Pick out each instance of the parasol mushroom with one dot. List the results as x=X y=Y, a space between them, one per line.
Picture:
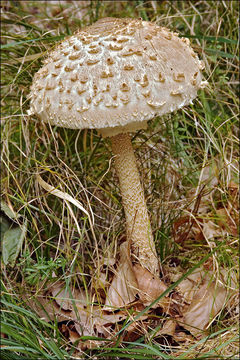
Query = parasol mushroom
x=114 y=76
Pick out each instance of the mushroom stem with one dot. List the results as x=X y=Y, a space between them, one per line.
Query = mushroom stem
x=139 y=231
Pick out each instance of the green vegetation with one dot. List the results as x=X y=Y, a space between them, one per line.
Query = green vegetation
x=189 y=163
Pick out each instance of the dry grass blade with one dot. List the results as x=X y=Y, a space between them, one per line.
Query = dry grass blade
x=64 y=196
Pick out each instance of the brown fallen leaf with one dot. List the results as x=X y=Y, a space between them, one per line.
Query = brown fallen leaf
x=94 y=319
x=203 y=295
x=210 y=230
x=123 y=288
x=64 y=298
x=150 y=288
x=136 y=329
x=46 y=307
x=69 y=331
x=168 y=328
x=105 y=325
x=87 y=318
x=73 y=336
x=208 y=300
x=188 y=286
x=182 y=337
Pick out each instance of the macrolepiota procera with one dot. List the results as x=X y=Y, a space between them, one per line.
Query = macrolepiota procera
x=114 y=76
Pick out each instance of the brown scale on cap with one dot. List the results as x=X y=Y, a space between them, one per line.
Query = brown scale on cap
x=80 y=89
x=92 y=61
x=194 y=78
x=124 y=98
x=161 y=78
x=76 y=47
x=179 y=77
x=144 y=81
x=128 y=67
x=58 y=65
x=115 y=47
x=155 y=104
x=95 y=90
x=128 y=52
x=114 y=76
x=178 y=91
x=152 y=56
x=106 y=73
x=124 y=87
x=74 y=56
x=146 y=93
x=83 y=78
x=68 y=68
x=95 y=50
x=122 y=40
x=43 y=72
x=148 y=37
x=98 y=99
x=74 y=77
x=50 y=84
x=137 y=77
x=110 y=61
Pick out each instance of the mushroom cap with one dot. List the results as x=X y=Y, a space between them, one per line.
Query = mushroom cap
x=115 y=75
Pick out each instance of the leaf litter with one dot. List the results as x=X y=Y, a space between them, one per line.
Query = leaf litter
x=201 y=299
x=183 y=314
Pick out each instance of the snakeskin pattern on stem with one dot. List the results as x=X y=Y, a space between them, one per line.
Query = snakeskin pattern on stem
x=138 y=225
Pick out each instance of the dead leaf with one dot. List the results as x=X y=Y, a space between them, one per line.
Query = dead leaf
x=70 y=332
x=203 y=296
x=135 y=329
x=188 y=286
x=46 y=308
x=123 y=288
x=210 y=230
x=150 y=288
x=89 y=320
x=80 y=308
x=64 y=298
x=73 y=336
x=208 y=300
x=168 y=328
x=93 y=320
x=182 y=337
